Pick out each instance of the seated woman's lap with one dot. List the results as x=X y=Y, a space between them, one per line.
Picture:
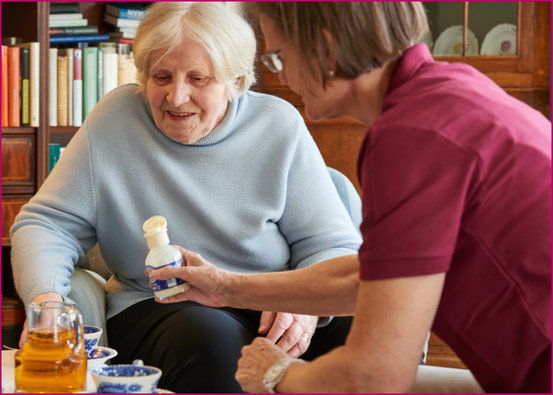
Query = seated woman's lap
x=198 y=347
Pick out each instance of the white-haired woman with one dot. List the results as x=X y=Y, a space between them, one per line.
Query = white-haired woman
x=235 y=173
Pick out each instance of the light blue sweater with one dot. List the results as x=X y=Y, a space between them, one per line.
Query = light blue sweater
x=252 y=196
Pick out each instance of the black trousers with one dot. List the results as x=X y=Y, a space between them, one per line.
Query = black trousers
x=198 y=347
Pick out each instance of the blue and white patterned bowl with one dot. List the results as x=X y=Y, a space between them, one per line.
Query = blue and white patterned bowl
x=92 y=335
x=100 y=356
x=126 y=378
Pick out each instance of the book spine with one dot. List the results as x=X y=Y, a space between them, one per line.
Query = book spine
x=24 y=65
x=69 y=52
x=78 y=38
x=4 y=85
x=64 y=8
x=77 y=87
x=13 y=87
x=34 y=79
x=90 y=79
x=110 y=71
x=127 y=70
x=127 y=13
x=73 y=31
x=54 y=155
x=121 y=22
x=65 y=16
x=68 y=23
x=62 y=89
x=53 y=91
x=100 y=73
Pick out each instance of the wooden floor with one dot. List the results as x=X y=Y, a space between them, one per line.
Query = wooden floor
x=439 y=354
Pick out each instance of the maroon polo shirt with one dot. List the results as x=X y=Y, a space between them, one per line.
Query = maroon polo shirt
x=456 y=177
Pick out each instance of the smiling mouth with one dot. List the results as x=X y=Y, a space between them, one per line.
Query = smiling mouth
x=180 y=114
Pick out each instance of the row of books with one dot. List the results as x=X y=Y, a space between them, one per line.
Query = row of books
x=79 y=77
x=20 y=84
x=72 y=27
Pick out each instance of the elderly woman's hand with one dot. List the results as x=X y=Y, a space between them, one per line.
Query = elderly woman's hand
x=256 y=359
x=205 y=280
x=294 y=330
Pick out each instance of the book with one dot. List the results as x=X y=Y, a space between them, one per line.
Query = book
x=125 y=10
x=90 y=79
x=73 y=30
x=34 y=81
x=69 y=52
x=24 y=78
x=4 y=85
x=65 y=16
x=127 y=70
x=100 y=72
x=122 y=40
x=123 y=34
x=14 y=86
x=77 y=87
x=53 y=89
x=64 y=7
x=110 y=71
x=121 y=22
x=79 y=38
x=54 y=155
x=68 y=22
x=62 y=89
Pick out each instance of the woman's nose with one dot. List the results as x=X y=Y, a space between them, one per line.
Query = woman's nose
x=179 y=93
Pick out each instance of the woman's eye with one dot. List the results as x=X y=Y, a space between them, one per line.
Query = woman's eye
x=162 y=78
x=199 y=80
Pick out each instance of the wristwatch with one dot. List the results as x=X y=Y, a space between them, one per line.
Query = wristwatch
x=276 y=372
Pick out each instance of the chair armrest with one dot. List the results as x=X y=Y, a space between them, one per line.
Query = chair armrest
x=87 y=291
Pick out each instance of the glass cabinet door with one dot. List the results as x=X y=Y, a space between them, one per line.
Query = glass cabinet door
x=472 y=28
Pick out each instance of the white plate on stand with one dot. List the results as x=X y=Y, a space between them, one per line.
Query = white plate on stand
x=450 y=42
x=500 y=40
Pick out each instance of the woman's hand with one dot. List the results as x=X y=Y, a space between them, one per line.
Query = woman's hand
x=256 y=359
x=46 y=296
x=205 y=280
x=291 y=332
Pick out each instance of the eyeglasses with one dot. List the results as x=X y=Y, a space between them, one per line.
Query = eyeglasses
x=272 y=61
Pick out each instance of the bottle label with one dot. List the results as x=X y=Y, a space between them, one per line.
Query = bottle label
x=160 y=285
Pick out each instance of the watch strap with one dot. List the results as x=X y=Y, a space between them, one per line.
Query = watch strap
x=276 y=372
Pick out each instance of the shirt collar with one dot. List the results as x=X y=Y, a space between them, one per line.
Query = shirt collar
x=409 y=64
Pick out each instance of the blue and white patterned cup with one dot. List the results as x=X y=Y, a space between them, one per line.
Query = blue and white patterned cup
x=135 y=378
x=92 y=335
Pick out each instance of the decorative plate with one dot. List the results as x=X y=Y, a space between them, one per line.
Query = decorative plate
x=450 y=42
x=500 y=40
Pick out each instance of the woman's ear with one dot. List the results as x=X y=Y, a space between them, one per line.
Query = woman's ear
x=331 y=52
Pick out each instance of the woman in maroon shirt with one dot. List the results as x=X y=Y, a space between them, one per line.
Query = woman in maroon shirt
x=456 y=184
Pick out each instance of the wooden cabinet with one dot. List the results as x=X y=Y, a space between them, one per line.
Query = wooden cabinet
x=525 y=75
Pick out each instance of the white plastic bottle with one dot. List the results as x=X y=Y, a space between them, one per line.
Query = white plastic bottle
x=162 y=254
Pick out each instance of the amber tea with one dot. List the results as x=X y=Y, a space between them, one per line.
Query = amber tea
x=53 y=358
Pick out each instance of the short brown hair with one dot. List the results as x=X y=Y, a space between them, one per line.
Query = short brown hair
x=366 y=35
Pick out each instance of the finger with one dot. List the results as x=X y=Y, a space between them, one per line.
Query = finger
x=190 y=258
x=291 y=337
x=280 y=325
x=167 y=272
x=267 y=319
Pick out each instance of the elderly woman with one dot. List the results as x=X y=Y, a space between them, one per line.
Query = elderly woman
x=456 y=185
x=235 y=173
